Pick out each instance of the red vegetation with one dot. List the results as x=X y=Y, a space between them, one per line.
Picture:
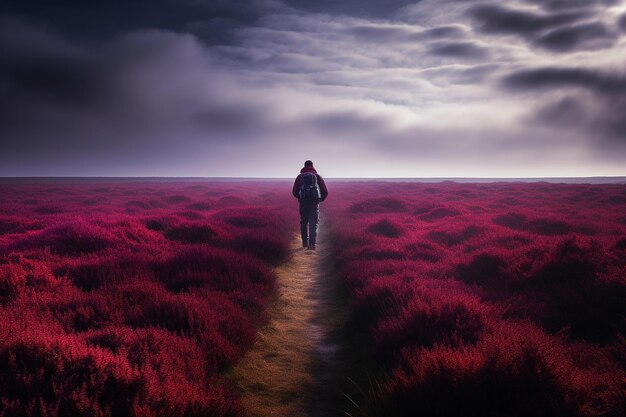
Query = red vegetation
x=133 y=299
x=484 y=299
x=465 y=299
x=387 y=228
x=378 y=205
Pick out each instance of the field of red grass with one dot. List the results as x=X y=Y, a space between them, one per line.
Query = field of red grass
x=133 y=298
x=503 y=299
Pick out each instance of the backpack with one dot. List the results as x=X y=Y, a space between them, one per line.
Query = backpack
x=309 y=190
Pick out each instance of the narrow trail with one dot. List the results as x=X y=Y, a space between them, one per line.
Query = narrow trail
x=291 y=369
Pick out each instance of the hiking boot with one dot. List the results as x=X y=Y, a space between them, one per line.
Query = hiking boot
x=311 y=247
x=305 y=244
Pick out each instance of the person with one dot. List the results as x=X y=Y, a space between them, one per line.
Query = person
x=310 y=189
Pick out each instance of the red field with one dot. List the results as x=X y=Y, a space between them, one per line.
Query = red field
x=132 y=299
x=470 y=299
x=485 y=300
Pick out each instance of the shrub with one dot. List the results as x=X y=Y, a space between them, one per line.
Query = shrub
x=200 y=206
x=25 y=276
x=207 y=267
x=422 y=251
x=189 y=232
x=485 y=269
x=439 y=213
x=13 y=281
x=572 y=263
x=94 y=273
x=68 y=239
x=161 y=223
x=513 y=373
x=267 y=246
x=512 y=220
x=138 y=205
x=379 y=205
x=453 y=237
x=10 y=225
x=176 y=199
x=48 y=209
x=231 y=201
x=548 y=227
x=59 y=375
x=253 y=218
x=387 y=228
x=427 y=320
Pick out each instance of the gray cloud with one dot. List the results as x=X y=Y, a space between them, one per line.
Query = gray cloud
x=594 y=34
x=98 y=19
x=476 y=74
x=498 y=19
x=389 y=33
x=549 y=78
x=189 y=90
x=137 y=90
x=600 y=113
x=579 y=112
x=35 y=65
x=567 y=112
x=573 y=4
x=445 y=31
x=347 y=122
x=622 y=22
x=562 y=27
x=383 y=34
x=463 y=50
x=367 y=8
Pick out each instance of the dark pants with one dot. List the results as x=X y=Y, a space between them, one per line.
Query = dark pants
x=309 y=216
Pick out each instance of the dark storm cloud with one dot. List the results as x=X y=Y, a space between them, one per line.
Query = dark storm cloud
x=563 y=27
x=40 y=66
x=216 y=31
x=573 y=4
x=37 y=70
x=56 y=93
x=549 y=78
x=103 y=19
x=463 y=50
x=500 y=19
x=595 y=102
x=571 y=37
x=366 y=8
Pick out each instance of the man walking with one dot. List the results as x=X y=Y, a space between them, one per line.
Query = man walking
x=310 y=189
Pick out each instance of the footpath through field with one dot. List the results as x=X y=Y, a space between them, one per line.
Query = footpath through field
x=290 y=371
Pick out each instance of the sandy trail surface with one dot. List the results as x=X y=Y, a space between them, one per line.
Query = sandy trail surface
x=290 y=371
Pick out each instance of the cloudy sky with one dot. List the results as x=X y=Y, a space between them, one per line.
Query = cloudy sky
x=365 y=88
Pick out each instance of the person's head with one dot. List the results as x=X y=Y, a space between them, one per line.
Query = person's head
x=308 y=163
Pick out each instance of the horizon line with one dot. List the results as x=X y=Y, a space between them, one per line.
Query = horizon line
x=585 y=179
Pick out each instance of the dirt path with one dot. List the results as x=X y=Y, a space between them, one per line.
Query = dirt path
x=290 y=369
